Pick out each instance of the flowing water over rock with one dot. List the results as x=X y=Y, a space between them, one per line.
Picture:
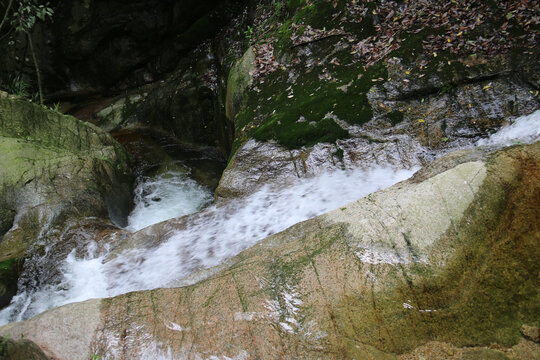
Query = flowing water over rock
x=165 y=196
x=215 y=234
x=223 y=231
x=172 y=181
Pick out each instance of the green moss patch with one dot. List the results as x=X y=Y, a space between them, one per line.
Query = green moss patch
x=293 y=134
x=303 y=114
x=318 y=14
x=9 y=274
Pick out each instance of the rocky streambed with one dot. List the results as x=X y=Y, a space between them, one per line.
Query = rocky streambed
x=305 y=179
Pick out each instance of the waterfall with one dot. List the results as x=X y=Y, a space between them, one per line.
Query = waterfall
x=165 y=196
x=216 y=233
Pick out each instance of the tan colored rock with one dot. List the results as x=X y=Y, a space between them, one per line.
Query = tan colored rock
x=531 y=333
x=64 y=333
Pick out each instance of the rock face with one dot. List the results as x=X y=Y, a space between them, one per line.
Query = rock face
x=187 y=104
x=20 y=350
x=435 y=265
x=443 y=265
x=336 y=85
x=53 y=169
x=98 y=45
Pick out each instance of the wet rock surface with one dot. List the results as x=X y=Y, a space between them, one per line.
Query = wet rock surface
x=375 y=90
x=440 y=266
x=427 y=275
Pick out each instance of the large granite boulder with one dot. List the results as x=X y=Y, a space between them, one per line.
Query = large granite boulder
x=53 y=169
x=443 y=264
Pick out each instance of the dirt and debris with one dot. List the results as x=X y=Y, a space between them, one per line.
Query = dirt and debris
x=306 y=34
x=451 y=28
x=265 y=61
x=459 y=27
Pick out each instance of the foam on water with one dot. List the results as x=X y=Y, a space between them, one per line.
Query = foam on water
x=210 y=237
x=166 y=196
x=524 y=130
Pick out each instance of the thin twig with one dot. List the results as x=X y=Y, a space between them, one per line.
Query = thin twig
x=317 y=39
x=37 y=68
x=6 y=14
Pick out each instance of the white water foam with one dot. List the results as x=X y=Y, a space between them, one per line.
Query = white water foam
x=221 y=232
x=524 y=130
x=166 y=196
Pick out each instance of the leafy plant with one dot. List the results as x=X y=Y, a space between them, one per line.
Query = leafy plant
x=19 y=87
x=248 y=33
x=95 y=357
x=55 y=107
x=23 y=19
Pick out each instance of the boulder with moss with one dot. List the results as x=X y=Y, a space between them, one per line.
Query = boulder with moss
x=53 y=169
x=20 y=350
x=345 y=84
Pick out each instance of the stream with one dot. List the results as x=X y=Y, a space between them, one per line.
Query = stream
x=213 y=233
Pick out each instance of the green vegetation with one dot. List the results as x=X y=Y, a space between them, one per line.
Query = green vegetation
x=295 y=4
x=284 y=34
x=7 y=265
x=294 y=134
x=395 y=117
x=23 y=19
x=17 y=86
x=318 y=14
x=248 y=33
x=305 y=114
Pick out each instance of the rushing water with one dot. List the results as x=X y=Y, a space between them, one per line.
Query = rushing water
x=524 y=130
x=165 y=196
x=216 y=233
x=221 y=232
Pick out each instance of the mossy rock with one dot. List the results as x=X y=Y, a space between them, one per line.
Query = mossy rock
x=9 y=274
x=452 y=266
x=53 y=168
x=238 y=81
x=20 y=350
x=305 y=114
